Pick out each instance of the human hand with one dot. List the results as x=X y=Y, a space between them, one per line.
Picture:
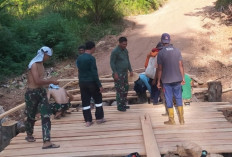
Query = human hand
x=101 y=89
x=158 y=85
x=115 y=76
x=131 y=73
x=183 y=82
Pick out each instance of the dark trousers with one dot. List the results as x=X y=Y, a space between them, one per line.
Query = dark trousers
x=155 y=92
x=88 y=90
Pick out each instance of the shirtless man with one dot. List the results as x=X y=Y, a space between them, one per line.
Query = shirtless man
x=62 y=100
x=36 y=98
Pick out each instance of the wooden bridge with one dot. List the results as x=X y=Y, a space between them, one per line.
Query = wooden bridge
x=140 y=129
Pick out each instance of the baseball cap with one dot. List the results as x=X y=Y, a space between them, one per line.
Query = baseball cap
x=165 y=38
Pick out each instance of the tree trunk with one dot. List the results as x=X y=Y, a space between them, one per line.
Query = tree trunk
x=214 y=91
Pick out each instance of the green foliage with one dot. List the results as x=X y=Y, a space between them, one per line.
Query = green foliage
x=223 y=3
x=26 y=25
x=134 y=7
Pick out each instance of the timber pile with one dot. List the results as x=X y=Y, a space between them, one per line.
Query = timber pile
x=140 y=129
x=109 y=91
x=107 y=81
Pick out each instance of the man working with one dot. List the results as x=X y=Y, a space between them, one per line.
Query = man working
x=90 y=85
x=120 y=64
x=155 y=92
x=62 y=100
x=36 y=97
x=171 y=73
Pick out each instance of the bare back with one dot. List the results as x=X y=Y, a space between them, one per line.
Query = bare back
x=59 y=95
x=36 y=68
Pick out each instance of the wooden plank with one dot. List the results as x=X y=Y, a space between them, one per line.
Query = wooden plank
x=151 y=145
x=196 y=79
x=210 y=130
x=104 y=99
x=68 y=147
x=76 y=79
x=12 y=110
x=226 y=90
x=91 y=153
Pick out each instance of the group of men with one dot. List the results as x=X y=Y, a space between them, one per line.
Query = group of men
x=170 y=76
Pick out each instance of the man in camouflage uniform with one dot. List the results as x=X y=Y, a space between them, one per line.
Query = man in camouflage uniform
x=120 y=64
x=36 y=98
x=62 y=100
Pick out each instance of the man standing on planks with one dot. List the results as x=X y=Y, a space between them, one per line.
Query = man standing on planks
x=36 y=98
x=90 y=85
x=171 y=73
x=120 y=64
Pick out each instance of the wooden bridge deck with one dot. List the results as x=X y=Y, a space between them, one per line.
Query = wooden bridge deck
x=122 y=133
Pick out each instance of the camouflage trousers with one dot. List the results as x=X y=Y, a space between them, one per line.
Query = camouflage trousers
x=55 y=107
x=121 y=86
x=36 y=100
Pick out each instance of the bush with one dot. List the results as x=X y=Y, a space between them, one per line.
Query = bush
x=25 y=26
x=223 y=3
x=134 y=7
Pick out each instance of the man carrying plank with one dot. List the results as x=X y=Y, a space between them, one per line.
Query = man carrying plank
x=36 y=98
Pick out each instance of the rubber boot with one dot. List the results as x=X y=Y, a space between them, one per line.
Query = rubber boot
x=171 y=120
x=181 y=114
x=166 y=110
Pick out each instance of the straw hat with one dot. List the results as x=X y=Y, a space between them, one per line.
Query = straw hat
x=133 y=78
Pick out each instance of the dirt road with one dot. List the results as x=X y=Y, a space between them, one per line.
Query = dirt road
x=192 y=30
x=201 y=33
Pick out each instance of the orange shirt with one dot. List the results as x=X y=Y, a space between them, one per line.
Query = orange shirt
x=151 y=54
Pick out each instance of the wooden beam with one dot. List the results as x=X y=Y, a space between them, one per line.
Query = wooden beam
x=104 y=99
x=226 y=90
x=200 y=90
x=75 y=79
x=105 y=86
x=196 y=79
x=12 y=110
x=151 y=145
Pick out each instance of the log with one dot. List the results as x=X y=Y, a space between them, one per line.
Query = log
x=75 y=79
x=196 y=79
x=8 y=131
x=199 y=90
x=104 y=99
x=226 y=90
x=12 y=110
x=104 y=85
x=136 y=70
x=104 y=95
x=214 y=91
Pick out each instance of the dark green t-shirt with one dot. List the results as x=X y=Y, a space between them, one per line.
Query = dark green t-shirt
x=87 y=69
x=119 y=61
